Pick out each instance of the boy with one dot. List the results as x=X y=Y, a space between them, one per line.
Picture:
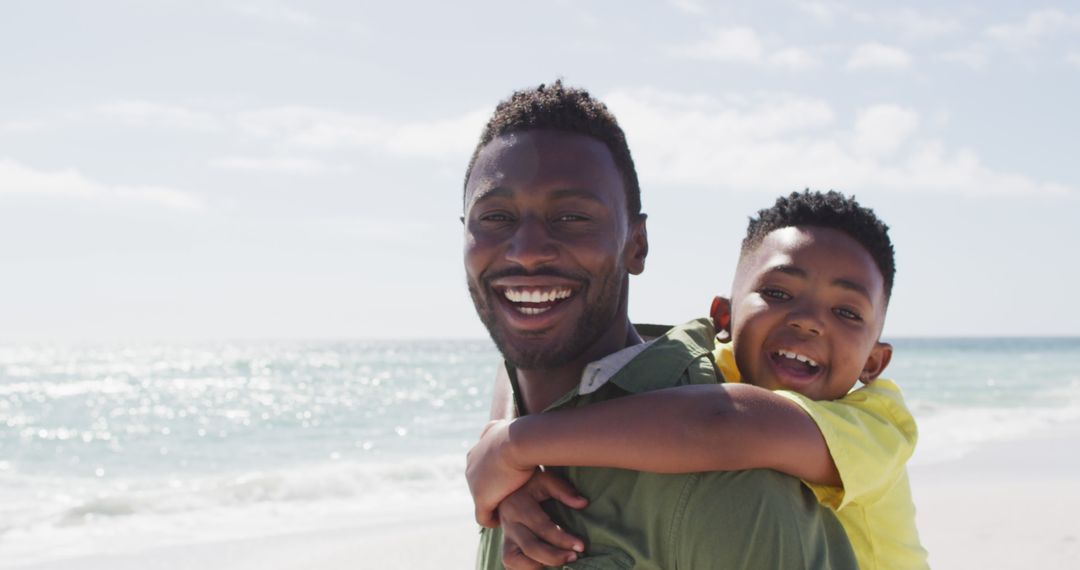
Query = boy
x=807 y=309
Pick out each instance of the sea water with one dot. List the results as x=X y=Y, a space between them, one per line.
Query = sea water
x=119 y=446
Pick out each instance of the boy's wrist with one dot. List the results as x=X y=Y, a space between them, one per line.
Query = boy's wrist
x=515 y=445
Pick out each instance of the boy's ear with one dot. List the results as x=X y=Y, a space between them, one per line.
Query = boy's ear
x=720 y=312
x=879 y=358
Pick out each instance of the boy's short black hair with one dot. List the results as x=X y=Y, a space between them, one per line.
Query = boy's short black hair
x=828 y=210
x=568 y=109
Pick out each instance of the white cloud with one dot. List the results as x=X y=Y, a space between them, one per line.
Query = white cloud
x=1035 y=27
x=743 y=45
x=821 y=11
x=16 y=178
x=321 y=129
x=447 y=138
x=139 y=113
x=689 y=6
x=974 y=57
x=794 y=59
x=912 y=23
x=280 y=165
x=777 y=144
x=739 y=45
x=277 y=12
x=313 y=127
x=1073 y=59
x=880 y=130
x=878 y=56
x=22 y=126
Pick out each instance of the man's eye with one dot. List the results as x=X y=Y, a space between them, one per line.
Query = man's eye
x=847 y=314
x=571 y=218
x=496 y=217
x=775 y=294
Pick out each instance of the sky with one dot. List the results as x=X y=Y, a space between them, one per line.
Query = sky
x=187 y=170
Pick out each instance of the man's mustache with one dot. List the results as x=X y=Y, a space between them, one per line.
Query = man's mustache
x=541 y=272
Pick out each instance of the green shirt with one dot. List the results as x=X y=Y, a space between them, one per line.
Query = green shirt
x=755 y=519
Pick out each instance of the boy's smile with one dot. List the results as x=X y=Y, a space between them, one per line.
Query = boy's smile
x=808 y=305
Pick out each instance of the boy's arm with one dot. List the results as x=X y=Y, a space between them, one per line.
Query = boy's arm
x=708 y=427
x=711 y=427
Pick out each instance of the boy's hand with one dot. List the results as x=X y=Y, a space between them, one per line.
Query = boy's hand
x=491 y=474
x=530 y=538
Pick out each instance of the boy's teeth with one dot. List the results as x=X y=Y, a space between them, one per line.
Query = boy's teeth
x=536 y=295
x=799 y=357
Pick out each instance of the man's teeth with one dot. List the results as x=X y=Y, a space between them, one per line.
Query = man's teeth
x=536 y=296
x=799 y=357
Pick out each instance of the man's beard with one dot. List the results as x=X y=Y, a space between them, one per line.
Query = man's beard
x=593 y=322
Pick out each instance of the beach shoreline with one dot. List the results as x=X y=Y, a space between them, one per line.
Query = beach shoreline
x=1007 y=504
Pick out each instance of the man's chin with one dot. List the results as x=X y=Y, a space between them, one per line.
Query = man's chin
x=535 y=350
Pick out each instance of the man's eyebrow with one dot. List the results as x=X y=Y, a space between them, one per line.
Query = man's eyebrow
x=493 y=192
x=576 y=193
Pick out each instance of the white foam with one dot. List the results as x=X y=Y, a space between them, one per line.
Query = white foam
x=74 y=517
x=950 y=434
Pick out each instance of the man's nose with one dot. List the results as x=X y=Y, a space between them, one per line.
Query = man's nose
x=531 y=245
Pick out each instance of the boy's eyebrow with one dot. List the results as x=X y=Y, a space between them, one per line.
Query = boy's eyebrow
x=792 y=270
x=853 y=286
x=796 y=271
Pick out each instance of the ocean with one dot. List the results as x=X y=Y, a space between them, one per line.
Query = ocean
x=163 y=444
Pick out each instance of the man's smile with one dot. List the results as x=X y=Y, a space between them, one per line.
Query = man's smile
x=533 y=303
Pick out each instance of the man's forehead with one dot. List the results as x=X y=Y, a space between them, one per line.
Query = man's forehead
x=550 y=159
x=528 y=148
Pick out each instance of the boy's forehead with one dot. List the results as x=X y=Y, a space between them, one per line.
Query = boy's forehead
x=823 y=249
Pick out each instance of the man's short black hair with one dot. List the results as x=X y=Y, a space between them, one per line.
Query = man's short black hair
x=560 y=108
x=831 y=210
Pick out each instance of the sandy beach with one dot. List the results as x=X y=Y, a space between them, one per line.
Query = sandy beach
x=1006 y=505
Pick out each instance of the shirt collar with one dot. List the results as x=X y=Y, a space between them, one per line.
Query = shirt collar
x=636 y=369
x=724 y=356
x=598 y=373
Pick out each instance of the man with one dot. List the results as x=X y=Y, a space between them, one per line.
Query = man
x=553 y=230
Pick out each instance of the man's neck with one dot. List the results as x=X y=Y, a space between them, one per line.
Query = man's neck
x=542 y=387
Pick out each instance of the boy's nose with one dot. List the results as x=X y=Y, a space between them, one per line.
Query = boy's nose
x=531 y=245
x=806 y=320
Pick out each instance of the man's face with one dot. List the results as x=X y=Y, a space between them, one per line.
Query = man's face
x=807 y=310
x=548 y=245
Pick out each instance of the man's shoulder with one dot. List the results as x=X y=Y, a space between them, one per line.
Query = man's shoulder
x=678 y=355
x=695 y=518
x=775 y=516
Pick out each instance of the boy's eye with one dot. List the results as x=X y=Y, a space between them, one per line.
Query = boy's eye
x=847 y=314
x=775 y=294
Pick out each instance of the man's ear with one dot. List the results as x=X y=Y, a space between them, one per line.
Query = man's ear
x=879 y=358
x=638 y=247
x=720 y=312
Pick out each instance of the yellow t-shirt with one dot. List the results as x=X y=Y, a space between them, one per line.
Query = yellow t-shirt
x=870 y=434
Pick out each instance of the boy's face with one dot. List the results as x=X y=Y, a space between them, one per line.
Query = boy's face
x=808 y=304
